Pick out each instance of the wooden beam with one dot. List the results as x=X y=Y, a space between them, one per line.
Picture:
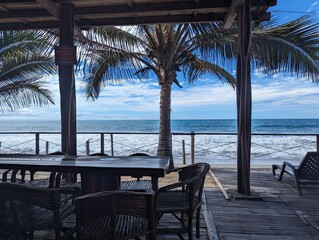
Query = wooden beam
x=55 y=11
x=125 y=21
x=50 y=7
x=16 y=1
x=232 y=12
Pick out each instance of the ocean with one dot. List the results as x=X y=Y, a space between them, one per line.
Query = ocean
x=215 y=140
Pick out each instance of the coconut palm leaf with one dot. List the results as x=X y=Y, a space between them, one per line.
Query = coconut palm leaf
x=292 y=47
x=196 y=68
x=22 y=93
x=25 y=56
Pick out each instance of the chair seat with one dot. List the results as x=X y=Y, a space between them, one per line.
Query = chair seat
x=136 y=185
x=41 y=218
x=126 y=227
x=175 y=201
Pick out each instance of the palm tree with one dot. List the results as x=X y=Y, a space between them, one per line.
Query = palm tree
x=24 y=59
x=195 y=49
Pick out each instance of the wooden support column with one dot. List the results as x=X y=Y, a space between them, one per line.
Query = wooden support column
x=66 y=62
x=244 y=100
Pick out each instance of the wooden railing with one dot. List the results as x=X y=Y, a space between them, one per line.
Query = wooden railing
x=105 y=140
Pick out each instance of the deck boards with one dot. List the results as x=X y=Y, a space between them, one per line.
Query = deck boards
x=273 y=216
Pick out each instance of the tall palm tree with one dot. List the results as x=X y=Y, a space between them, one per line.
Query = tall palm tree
x=24 y=59
x=195 y=49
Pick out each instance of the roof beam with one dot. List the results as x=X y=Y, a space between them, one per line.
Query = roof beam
x=232 y=12
x=50 y=7
x=56 y=12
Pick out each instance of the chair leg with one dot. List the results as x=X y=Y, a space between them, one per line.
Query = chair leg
x=298 y=186
x=152 y=236
x=190 y=226
x=57 y=233
x=198 y=222
x=282 y=171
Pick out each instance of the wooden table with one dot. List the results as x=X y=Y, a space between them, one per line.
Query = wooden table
x=97 y=173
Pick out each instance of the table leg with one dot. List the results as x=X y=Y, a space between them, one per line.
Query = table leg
x=93 y=182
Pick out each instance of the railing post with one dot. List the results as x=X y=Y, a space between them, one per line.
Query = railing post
x=317 y=143
x=112 y=146
x=47 y=147
x=183 y=149
x=102 y=142
x=192 y=147
x=87 y=147
x=37 y=143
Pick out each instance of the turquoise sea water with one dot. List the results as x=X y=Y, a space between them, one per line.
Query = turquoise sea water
x=258 y=126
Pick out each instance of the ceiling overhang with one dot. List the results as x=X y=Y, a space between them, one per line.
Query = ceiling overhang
x=44 y=14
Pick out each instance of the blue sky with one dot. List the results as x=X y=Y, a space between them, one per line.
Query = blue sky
x=275 y=96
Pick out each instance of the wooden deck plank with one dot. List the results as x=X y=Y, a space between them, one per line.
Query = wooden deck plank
x=274 y=216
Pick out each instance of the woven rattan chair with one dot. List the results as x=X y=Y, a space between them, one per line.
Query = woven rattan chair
x=139 y=184
x=27 y=177
x=27 y=209
x=183 y=199
x=306 y=173
x=115 y=215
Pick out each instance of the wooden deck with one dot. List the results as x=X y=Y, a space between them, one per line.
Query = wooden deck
x=276 y=212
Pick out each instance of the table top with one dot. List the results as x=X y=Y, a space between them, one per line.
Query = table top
x=121 y=165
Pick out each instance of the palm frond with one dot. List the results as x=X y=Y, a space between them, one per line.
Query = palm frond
x=24 y=58
x=20 y=65
x=197 y=68
x=23 y=93
x=292 y=47
x=103 y=69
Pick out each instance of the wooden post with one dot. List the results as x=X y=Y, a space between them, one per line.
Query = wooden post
x=102 y=142
x=65 y=59
x=183 y=149
x=244 y=99
x=47 y=147
x=317 y=143
x=192 y=147
x=112 y=147
x=87 y=147
x=37 y=143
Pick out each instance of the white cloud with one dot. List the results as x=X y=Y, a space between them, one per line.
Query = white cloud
x=314 y=7
x=207 y=99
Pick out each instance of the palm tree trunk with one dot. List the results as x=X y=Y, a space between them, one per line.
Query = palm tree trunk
x=165 y=138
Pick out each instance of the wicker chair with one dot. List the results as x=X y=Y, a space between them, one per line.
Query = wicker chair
x=183 y=199
x=306 y=173
x=27 y=177
x=27 y=209
x=140 y=184
x=115 y=215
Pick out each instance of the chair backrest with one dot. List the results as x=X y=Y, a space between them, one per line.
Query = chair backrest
x=98 y=214
x=309 y=167
x=27 y=204
x=195 y=176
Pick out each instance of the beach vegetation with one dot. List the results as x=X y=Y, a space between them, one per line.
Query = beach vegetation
x=25 y=58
